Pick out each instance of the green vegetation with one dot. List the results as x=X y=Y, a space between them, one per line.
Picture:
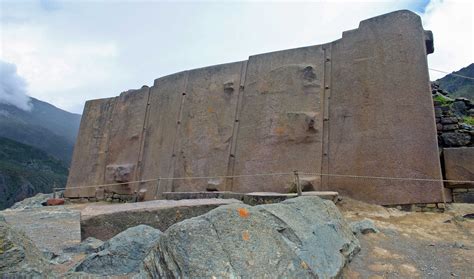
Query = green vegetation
x=26 y=170
x=443 y=100
x=468 y=120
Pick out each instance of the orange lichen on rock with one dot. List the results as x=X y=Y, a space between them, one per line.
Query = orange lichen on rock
x=244 y=213
x=280 y=130
x=246 y=236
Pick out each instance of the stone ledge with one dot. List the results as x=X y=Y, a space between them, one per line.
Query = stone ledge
x=249 y=198
x=103 y=221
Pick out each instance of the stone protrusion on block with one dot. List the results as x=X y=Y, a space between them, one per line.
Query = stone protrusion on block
x=119 y=173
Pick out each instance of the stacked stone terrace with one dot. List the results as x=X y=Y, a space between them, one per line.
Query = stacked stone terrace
x=456 y=142
x=334 y=108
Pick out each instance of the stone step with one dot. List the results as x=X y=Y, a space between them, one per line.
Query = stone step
x=249 y=198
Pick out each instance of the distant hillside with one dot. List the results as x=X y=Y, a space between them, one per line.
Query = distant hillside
x=25 y=171
x=459 y=86
x=45 y=127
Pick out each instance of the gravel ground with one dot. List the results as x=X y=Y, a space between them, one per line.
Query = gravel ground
x=413 y=244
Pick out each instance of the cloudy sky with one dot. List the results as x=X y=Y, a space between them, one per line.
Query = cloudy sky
x=66 y=52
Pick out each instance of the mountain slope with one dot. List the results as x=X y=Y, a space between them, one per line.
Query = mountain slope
x=458 y=86
x=25 y=171
x=45 y=127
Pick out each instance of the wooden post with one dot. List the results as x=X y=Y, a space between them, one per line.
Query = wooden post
x=298 y=184
x=158 y=182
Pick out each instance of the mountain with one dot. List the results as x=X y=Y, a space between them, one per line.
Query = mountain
x=26 y=170
x=45 y=127
x=459 y=86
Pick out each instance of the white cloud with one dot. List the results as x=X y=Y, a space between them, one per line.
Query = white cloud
x=55 y=66
x=13 y=87
x=452 y=23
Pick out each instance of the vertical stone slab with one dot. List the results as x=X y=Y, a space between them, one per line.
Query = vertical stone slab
x=459 y=165
x=381 y=119
x=281 y=118
x=206 y=125
x=165 y=102
x=126 y=135
x=88 y=162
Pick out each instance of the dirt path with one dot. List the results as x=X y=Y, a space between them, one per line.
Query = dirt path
x=413 y=244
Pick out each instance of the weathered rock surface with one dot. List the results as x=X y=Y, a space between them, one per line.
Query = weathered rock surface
x=89 y=245
x=365 y=226
x=50 y=228
x=19 y=257
x=305 y=237
x=123 y=253
x=455 y=139
x=36 y=201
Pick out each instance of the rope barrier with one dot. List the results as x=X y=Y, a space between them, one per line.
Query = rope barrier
x=444 y=72
x=392 y=178
x=276 y=174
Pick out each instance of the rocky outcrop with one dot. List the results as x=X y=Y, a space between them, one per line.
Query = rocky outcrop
x=89 y=245
x=37 y=201
x=123 y=253
x=19 y=257
x=305 y=237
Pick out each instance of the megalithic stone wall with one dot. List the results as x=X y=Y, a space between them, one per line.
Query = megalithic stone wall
x=360 y=105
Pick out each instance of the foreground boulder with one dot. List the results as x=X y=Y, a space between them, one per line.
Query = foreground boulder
x=123 y=253
x=19 y=257
x=304 y=237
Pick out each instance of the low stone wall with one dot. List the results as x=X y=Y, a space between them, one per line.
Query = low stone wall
x=463 y=195
x=421 y=207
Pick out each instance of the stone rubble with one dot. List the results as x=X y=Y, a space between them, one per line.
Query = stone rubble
x=365 y=226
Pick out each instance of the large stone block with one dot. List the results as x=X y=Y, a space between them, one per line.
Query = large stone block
x=126 y=132
x=376 y=129
x=90 y=152
x=459 y=165
x=206 y=126
x=104 y=221
x=281 y=119
x=166 y=97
